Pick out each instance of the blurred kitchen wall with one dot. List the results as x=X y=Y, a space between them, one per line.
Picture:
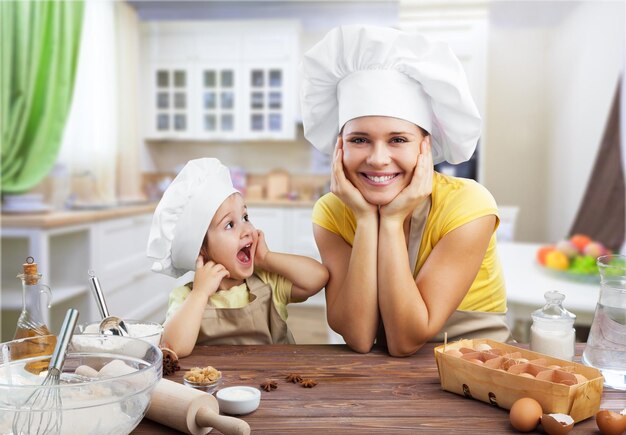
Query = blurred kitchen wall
x=315 y=19
x=552 y=72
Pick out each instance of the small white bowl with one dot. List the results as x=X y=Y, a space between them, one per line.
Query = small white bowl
x=238 y=400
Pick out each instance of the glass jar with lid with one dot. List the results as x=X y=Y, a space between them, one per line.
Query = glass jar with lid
x=552 y=332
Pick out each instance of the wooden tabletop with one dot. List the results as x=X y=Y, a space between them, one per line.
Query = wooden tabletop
x=356 y=393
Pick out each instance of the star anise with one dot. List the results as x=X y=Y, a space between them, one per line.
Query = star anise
x=170 y=361
x=269 y=385
x=293 y=377
x=308 y=383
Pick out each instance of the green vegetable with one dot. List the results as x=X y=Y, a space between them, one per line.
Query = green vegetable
x=583 y=265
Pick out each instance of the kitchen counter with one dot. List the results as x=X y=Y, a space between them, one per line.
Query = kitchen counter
x=356 y=393
x=76 y=217
x=306 y=203
x=72 y=217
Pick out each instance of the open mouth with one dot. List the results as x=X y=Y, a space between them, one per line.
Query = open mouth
x=244 y=254
x=379 y=180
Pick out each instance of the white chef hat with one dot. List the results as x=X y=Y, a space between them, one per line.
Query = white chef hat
x=361 y=70
x=184 y=214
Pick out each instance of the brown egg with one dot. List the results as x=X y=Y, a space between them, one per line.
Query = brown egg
x=525 y=414
x=610 y=423
x=476 y=361
x=557 y=424
x=526 y=375
x=454 y=352
x=580 y=378
x=554 y=367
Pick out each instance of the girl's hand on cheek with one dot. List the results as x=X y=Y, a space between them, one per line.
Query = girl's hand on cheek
x=208 y=276
x=419 y=188
x=261 y=248
x=344 y=189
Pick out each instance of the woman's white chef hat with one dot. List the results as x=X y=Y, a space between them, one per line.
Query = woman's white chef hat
x=184 y=214
x=364 y=70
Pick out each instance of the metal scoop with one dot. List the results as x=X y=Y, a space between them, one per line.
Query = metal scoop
x=110 y=325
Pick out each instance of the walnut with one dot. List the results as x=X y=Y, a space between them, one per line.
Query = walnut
x=204 y=375
x=293 y=377
x=308 y=383
x=170 y=362
x=269 y=385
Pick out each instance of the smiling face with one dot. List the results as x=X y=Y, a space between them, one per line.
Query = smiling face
x=379 y=155
x=230 y=238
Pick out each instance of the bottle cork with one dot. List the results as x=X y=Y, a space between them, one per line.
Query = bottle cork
x=30 y=271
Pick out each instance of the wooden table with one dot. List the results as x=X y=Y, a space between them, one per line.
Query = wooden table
x=371 y=393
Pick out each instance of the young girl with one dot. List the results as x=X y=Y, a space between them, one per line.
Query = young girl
x=241 y=289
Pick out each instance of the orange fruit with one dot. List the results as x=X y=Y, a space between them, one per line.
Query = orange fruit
x=557 y=260
x=542 y=252
x=580 y=241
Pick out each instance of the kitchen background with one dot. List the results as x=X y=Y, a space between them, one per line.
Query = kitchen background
x=161 y=82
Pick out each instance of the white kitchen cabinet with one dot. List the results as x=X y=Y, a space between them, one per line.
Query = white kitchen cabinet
x=114 y=249
x=268 y=101
x=287 y=229
x=239 y=80
x=218 y=101
x=301 y=230
x=271 y=220
x=63 y=258
x=169 y=100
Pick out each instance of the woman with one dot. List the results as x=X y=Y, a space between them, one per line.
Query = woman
x=411 y=252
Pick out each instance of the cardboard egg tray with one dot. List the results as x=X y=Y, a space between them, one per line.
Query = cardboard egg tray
x=497 y=380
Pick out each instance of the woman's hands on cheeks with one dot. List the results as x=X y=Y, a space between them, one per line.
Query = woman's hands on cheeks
x=208 y=276
x=420 y=187
x=261 y=249
x=344 y=189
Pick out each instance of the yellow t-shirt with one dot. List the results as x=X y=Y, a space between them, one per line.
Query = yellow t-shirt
x=237 y=296
x=455 y=202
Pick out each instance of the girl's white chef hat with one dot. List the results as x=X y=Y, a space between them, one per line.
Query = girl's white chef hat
x=184 y=214
x=365 y=70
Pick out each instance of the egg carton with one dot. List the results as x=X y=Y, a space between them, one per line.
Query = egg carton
x=503 y=374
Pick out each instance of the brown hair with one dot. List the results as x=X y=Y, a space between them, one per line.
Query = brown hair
x=204 y=249
x=424 y=132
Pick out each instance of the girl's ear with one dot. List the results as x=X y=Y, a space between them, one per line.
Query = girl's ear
x=204 y=249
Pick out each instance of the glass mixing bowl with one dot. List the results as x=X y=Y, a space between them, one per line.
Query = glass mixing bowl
x=89 y=404
x=149 y=331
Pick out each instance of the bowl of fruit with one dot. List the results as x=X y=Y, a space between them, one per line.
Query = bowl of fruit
x=573 y=258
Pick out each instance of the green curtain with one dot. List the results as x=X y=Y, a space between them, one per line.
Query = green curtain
x=39 y=43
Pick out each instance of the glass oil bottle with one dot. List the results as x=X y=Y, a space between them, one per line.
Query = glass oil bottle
x=30 y=323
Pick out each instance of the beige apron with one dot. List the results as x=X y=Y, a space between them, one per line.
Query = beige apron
x=256 y=323
x=461 y=324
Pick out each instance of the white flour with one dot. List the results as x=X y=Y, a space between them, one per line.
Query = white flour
x=146 y=331
x=114 y=407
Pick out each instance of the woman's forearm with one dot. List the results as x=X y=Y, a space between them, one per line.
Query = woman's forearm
x=415 y=310
x=403 y=310
x=352 y=305
x=181 y=330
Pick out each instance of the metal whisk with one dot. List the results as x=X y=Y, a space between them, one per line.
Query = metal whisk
x=41 y=412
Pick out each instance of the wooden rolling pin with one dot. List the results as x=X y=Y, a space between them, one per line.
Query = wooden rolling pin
x=177 y=406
